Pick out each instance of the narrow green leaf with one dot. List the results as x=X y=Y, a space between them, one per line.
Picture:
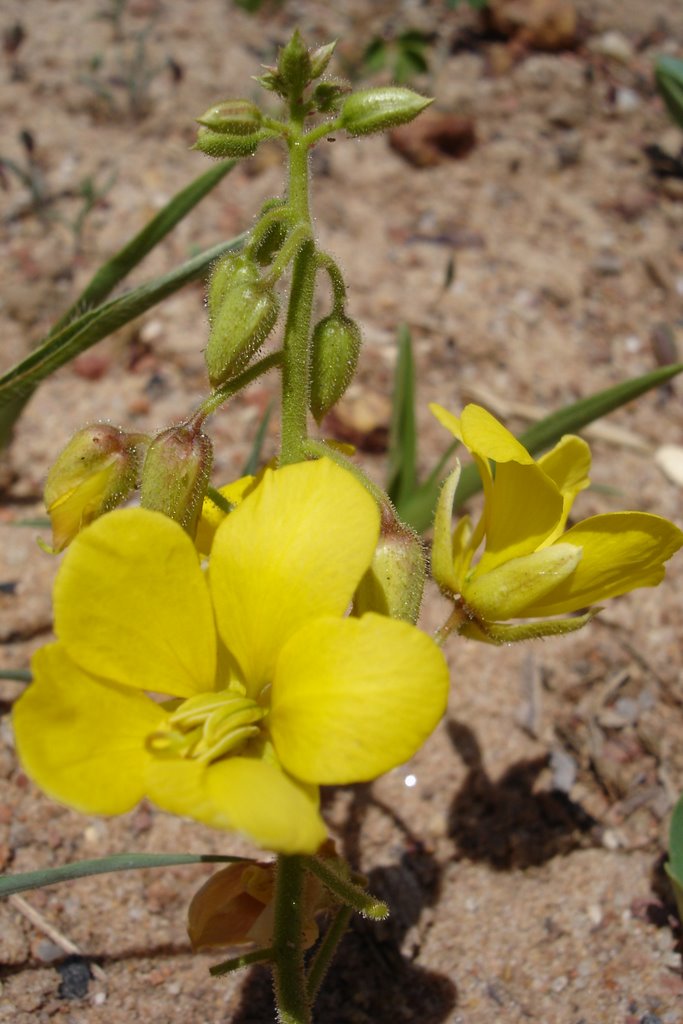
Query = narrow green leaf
x=10 y=884
x=674 y=868
x=122 y=262
x=17 y=675
x=252 y=464
x=403 y=435
x=549 y=430
x=90 y=328
x=669 y=80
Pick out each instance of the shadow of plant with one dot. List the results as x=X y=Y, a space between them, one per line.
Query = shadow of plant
x=373 y=979
x=505 y=822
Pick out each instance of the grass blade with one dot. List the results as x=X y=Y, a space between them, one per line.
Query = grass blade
x=10 y=884
x=402 y=469
x=96 y=324
x=122 y=262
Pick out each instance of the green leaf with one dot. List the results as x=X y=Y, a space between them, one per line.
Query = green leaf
x=122 y=262
x=401 y=481
x=101 y=284
x=669 y=81
x=10 y=884
x=90 y=328
x=674 y=867
x=17 y=675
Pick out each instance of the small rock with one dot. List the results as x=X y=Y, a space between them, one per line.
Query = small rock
x=614 y=45
x=538 y=24
x=75 y=975
x=569 y=149
x=626 y=100
x=669 y=458
x=607 y=264
x=433 y=139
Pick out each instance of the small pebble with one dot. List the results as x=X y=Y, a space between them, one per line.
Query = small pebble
x=669 y=458
x=75 y=975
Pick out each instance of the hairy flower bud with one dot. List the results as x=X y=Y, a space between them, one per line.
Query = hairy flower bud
x=329 y=95
x=247 y=315
x=320 y=58
x=376 y=110
x=232 y=117
x=233 y=269
x=334 y=355
x=220 y=145
x=97 y=470
x=394 y=583
x=175 y=475
x=294 y=65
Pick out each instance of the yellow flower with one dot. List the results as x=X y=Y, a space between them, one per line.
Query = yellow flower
x=273 y=690
x=530 y=565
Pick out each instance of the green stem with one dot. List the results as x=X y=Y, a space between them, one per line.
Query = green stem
x=347 y=891
x=240 y=961
x=453 y=624
x=326 y=950
x=321 y=130
x=296 y=356
x=276 y=215
x=295 y=241
x=287 y=953
x=336 y=280
x=222 y=394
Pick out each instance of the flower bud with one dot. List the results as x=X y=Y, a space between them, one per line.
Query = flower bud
x=334 y=355
x=232 y=117
x=230 y=270
x=175 y=475
x=221 y=145
x=320 y=58
x=272 y=240
x=235 y=906
x=294 y=65
x=247 y=316
x=376 y=110
x=394 y=582
x=97 y=470
x=328 y=95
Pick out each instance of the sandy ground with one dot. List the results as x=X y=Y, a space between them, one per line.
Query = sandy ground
x=521 y=850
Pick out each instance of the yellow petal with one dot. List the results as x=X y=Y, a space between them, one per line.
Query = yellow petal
x=297 y=546
x=621 y=551
x=353 y=698
x=442 y=545
x=523 y=511
x=483 y=434
x=241 y=794
x=132 y=605
x=510 y=589
x=82 y=740
x=212 y=516
x=70 y=512
x=567 y=465
x=446 y=419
